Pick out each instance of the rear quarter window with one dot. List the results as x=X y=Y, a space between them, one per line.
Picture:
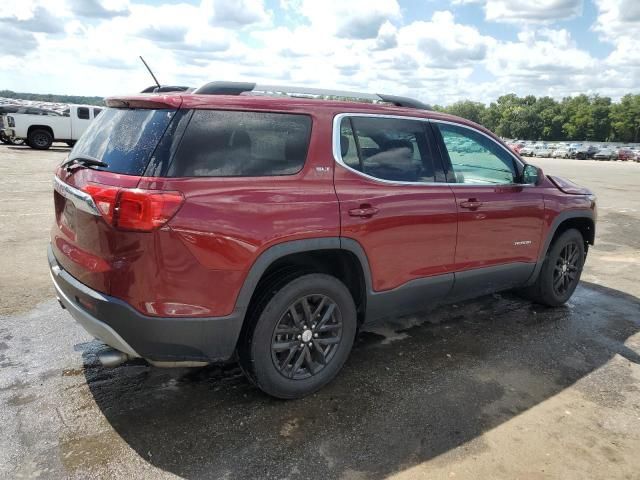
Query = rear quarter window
x=249 y=144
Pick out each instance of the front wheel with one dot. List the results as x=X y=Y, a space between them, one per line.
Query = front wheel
x=301 y=337
x=561 y=270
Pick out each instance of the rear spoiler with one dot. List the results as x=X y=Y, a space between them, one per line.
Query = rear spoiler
x=145 y=101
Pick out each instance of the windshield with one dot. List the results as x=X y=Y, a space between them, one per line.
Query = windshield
x=124 y=139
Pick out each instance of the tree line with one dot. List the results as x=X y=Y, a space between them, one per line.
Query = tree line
x=583 y=117
x=48 y=97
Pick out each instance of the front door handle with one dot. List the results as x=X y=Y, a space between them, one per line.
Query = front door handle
x=471 y=204
x=363 y=211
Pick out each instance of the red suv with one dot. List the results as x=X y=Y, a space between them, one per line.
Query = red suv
x=200 y=227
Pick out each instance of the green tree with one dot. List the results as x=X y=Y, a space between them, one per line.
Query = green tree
x=473 y=111
x=625 y=119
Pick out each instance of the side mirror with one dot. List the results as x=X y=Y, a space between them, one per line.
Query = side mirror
x=532 y=175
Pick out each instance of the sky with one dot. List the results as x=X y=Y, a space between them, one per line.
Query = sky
x=437 y=51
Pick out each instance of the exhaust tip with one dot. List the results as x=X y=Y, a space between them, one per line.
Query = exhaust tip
x=112 y=358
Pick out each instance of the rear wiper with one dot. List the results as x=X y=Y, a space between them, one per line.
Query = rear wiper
x=84 y=161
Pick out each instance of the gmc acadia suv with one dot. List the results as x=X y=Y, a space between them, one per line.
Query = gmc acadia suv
x=200 y=227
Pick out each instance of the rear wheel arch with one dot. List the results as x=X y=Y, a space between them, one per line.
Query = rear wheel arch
x=40 y=127
x=339 y=257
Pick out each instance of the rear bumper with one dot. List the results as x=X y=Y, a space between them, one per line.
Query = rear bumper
x=162 y=339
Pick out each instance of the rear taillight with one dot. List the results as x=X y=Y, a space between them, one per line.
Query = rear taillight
x=105 y=199
x=146 y=210
x=134 y=208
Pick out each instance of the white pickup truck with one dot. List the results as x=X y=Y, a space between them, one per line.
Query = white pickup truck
x=40 y=130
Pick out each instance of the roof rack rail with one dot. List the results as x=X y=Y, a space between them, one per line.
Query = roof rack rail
x=237 y=88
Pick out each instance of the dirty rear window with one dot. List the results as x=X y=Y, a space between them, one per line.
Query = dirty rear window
x=123 y=138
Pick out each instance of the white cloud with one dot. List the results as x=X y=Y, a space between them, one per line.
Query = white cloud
x=237 y=13
x=355 y=19
x=443 y=43
x=618 y=23
x=366 y=45
x=527 y=11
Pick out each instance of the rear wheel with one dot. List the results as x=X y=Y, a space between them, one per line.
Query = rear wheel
x=39 y=139
x=300 y=335
x=561 y=270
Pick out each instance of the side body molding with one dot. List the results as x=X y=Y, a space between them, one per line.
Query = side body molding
x=416 y=295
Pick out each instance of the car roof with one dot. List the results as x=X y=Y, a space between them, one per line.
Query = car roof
x=278 y=104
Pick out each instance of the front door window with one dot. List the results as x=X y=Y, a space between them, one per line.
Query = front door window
x=476 y=159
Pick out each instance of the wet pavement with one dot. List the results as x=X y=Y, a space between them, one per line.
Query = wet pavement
x=492 y=388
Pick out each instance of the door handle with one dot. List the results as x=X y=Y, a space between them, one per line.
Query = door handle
x=363 y=211
x=471 y=204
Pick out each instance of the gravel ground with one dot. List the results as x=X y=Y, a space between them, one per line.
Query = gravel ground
x=493 y=388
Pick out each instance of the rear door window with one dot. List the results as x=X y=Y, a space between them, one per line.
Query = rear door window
x=387 y=148
x=83 y=113
x=231 y=143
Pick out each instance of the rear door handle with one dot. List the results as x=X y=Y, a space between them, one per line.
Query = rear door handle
x=471 y=204
x=363 y=211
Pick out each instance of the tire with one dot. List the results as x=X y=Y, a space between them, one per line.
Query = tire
x=269 y=359
x=569 y=245
x=39 y=139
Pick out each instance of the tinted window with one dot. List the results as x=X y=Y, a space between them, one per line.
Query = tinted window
x=475 y=158
x=96 y=111
x=124 y=139
x=387 y=148
x=226 y=144
x=83 y=113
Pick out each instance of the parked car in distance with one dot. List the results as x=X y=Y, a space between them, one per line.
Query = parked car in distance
x=543 y=151
x=530 y=150
x=625 y=154
x=40 y=127
x=584 y=152
x=562 y=152
x=605 y=154
x=192 y=228
x=516 y=146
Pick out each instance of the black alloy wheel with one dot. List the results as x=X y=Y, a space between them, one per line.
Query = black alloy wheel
x=306 y=337
x=298 y=334
x=561 y=270
x=566 y=271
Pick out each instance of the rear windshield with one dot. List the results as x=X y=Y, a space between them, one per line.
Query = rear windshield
x=123 y=138
x=220 y=143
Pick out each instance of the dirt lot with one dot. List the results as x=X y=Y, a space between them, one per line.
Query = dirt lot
x=493 y=388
